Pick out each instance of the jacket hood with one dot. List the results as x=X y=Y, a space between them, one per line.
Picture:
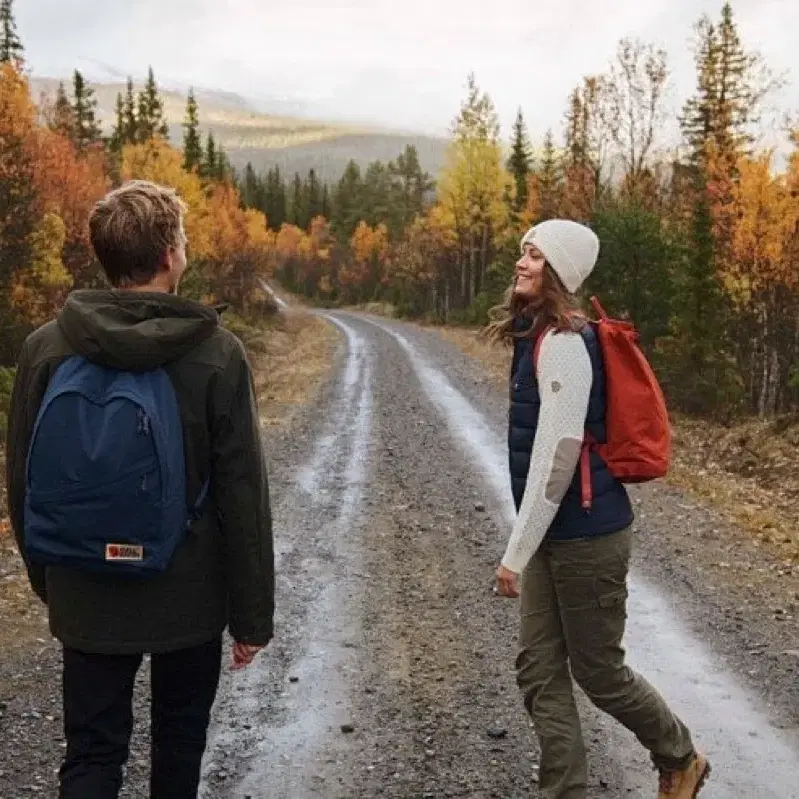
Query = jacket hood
x=134 y=330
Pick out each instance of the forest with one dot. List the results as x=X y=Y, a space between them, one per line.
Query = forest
x=700 y=241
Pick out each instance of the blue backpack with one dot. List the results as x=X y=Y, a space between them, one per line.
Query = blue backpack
x=106 y=479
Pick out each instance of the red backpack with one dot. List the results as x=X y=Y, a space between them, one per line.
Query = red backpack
x=638 y=434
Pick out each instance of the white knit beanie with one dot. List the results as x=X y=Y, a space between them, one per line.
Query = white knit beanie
x=570 y=248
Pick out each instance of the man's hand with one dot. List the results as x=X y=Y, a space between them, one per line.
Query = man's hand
x=507 y=582
x=242 y=655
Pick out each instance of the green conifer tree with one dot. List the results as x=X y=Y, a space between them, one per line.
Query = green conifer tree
x=86 y=130
x=130 y=122
x=519 y=161
x=210 y=162
x=151 y=121
x=11 y=48
x=63 y=119
x=192 y=142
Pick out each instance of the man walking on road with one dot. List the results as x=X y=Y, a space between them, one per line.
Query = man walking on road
x=139 y=499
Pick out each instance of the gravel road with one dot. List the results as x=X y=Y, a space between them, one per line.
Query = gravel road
x=391 y=672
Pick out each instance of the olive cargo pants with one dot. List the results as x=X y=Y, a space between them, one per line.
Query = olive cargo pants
x=573 y=614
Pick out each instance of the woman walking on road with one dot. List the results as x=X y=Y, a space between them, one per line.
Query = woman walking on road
x=573 y=564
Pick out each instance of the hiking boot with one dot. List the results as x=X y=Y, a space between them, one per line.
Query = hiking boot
x=684 y=784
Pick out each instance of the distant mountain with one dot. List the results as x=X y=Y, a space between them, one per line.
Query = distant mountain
x=329 y=156
x=266 y=140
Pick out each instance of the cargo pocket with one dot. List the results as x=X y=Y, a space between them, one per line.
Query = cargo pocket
x=594 y=636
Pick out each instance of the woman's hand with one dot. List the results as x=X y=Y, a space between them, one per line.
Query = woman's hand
x=507 y=582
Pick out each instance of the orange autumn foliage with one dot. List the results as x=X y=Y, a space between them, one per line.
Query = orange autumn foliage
x=430 y=242
x=17 y=168
x=69 y=186
x=47 y=191
x=766 y=219
x=231 y=245
x=17 y=111
x=155 y=160
x=66 y=185
x=369 y=248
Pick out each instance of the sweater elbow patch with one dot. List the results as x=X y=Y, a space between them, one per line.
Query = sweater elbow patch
x=563 y=463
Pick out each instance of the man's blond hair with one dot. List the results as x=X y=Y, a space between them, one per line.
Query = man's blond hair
x=132 y=227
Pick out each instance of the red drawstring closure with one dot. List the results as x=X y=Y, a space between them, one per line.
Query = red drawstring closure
x=586 y=488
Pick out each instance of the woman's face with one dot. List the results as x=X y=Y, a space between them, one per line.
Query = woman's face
x=529 y=273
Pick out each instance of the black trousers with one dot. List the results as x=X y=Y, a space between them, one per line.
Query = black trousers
x=98 y=720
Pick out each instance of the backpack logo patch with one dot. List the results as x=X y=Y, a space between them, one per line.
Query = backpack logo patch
x=125 y=552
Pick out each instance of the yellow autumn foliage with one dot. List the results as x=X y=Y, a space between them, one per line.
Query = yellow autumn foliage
x=155 y=160
x=767 y=214
x=37 y=291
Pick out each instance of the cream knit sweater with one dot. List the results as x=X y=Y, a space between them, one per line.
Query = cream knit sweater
x=564 y=381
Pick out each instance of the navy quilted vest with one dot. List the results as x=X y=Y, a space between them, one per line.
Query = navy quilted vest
x=611 y=509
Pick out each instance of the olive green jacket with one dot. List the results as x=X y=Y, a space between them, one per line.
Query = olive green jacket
x=223 y=573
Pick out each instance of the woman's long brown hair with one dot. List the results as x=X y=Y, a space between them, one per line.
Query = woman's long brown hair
x=554 y=306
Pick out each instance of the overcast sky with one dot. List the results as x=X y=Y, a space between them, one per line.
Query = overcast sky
x=401 y=63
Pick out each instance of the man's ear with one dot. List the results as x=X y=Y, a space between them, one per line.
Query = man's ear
x=165 y=264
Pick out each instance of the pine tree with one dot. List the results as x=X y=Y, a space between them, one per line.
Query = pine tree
x=87 y=131
x=151 y=121
x=737 y=92
x=346 y=202
x=275 y=200
x=63 y=117
x=223 y=169
x=697 y=120
x=314 y=195
x=698 y=326
x=326 y=207
x=117 y=140
x=192 y=143
x=549 y=180
x=410 y=188
x=731 y=84
x=519 y=162
x=128 y=131
x=11 y=48
x=376 y=200
x=636 y=264
x=210 y=162
x=251 y=189
x=298 y=203
x=715 y=123
x=576 y=135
